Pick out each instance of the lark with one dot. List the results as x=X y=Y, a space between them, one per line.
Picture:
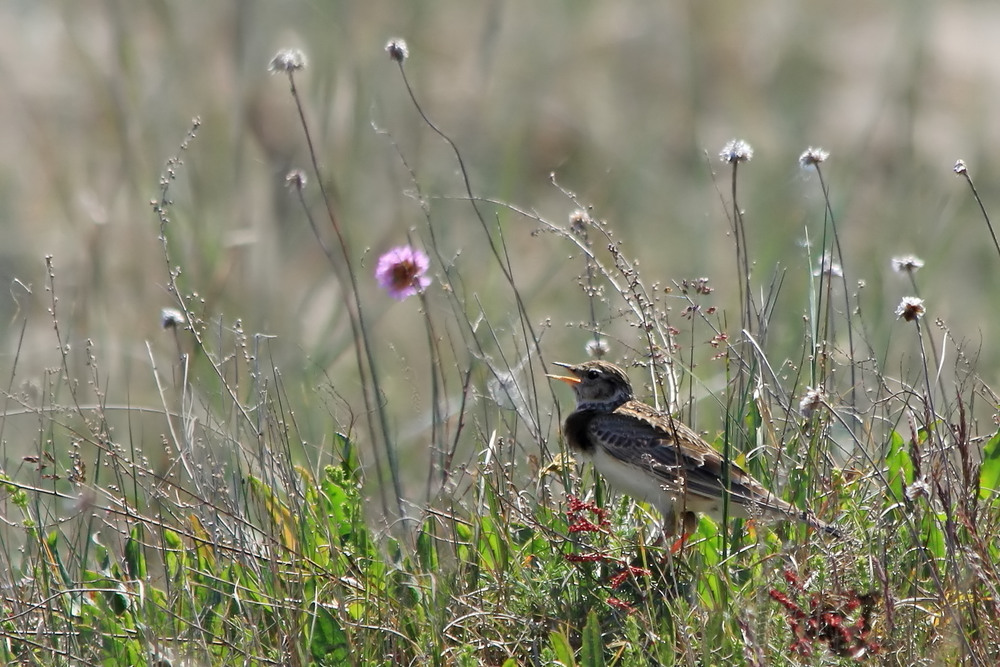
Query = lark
x=655 y=458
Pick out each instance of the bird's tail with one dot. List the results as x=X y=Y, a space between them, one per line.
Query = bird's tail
x=828 y=528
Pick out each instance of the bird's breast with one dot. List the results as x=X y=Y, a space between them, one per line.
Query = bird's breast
x=575 y=431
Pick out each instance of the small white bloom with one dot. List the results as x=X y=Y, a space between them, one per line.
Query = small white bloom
x=811 y=401
x=906 y=264
x=828 y=267
x=397 y=50
x=597 y=349
x=735 y=151
x=812 y=157
x=910 y=308
x=288 y=61
x=171 y=318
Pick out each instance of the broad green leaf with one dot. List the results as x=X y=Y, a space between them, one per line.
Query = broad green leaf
x=492 y=545
x=337 y=501
x=934 y=534
x=562 y=649
x=427 y=549
x=328 y=642
x=173 y=554
x=135 y=558
x=592 y=650
x=463 y=533
x=899 y=466
x=989 y=471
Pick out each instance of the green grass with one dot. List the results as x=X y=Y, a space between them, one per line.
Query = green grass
x=304 y=471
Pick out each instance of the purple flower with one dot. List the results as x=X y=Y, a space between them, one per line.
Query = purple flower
x=401 y=272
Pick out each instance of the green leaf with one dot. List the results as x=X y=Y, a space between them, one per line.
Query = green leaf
x=464 y=534
x=561 y=648
x=101 y=554
x=492 y=545
x=173 y=554
x=899 y=466
x=752 y=420
x=52 y=543
x=934 y=538
x=427 y=548
x=329 y=641
x=337 y=501
x=989 y=470
x=592 y=650
x=135 y=557
x=350 y=464
x=117 y=599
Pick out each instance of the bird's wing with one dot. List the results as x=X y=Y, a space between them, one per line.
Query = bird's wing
x=639 y=435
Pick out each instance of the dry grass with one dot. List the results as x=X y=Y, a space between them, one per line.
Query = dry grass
x=307 y=471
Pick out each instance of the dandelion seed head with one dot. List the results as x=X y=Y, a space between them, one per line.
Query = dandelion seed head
x=171 y=318
x=811 y=401
x=910 y=308
x=401 y=271
x=735 y=151
x=296 y=180
x=507 y=389
x=919 y=488
x=827 y=266
x=287 y=61
x=597 y=348
x=906 y=264
x=812 y=157
x=578 y=218
x=397 y=50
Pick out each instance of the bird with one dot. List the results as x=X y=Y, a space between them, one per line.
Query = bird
x=655 y=458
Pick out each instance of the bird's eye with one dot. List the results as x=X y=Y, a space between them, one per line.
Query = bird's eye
x=593 y=374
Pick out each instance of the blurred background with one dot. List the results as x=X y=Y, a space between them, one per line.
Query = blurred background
x=627 y=103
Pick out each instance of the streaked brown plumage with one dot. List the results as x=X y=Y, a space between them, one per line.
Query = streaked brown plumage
x=657 y=459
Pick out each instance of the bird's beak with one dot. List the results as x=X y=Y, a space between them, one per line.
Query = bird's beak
x=568 y=379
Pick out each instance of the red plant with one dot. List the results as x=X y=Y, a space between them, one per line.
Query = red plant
x=828 y=620
x=578 y=523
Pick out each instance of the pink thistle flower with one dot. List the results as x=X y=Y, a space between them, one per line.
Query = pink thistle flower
x=401 y=272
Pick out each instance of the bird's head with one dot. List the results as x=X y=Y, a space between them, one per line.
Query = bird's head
x=598 y=385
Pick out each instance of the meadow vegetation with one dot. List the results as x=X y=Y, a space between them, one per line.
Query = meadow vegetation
x=304 y=419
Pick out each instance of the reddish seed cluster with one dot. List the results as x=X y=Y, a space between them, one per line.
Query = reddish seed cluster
x=621 y=604
x=581 y=524
x=719 y=339
x=629 y=571
x=827 y=621
x=585 y=558
x=689 y=312
x=696 y=285
x=578 y=523
x=720 y=342
x=586 y=517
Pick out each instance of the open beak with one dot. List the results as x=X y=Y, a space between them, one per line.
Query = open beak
x=568 y=379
